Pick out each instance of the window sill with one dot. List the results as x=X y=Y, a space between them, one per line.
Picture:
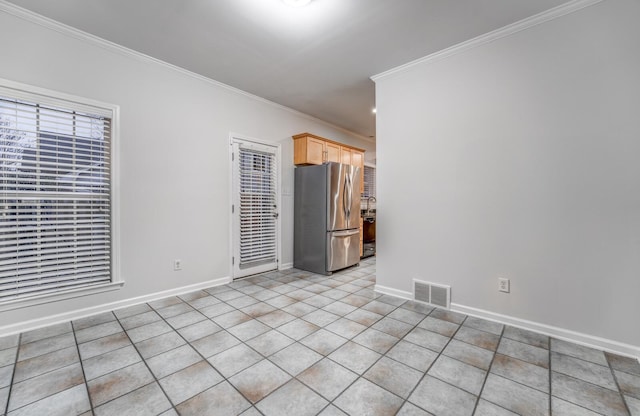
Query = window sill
x=57 y=296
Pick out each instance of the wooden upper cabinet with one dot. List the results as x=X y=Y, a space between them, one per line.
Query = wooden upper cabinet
x=332 y=152
x=357 y=159
x=345 y=155
x=309 y=149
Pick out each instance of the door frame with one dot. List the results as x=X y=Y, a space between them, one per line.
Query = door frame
x=236 y=137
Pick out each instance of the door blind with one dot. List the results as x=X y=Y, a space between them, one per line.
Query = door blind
x=257 y=207
x=55 y=204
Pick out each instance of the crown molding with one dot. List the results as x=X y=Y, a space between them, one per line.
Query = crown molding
x=78 y=34
x=553 y=13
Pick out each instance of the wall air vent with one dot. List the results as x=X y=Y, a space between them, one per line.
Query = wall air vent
x=435 y=294
x=421 y=291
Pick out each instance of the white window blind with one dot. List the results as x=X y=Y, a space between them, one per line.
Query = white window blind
x=257 y=207
x=369 y=182
x=55 y=197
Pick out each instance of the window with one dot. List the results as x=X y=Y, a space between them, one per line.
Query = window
x=56 y=225
x=369 y=182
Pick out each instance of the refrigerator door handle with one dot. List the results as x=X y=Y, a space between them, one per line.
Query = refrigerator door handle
x=351 y=194
x=350 y=199
x=345 y=205
x=345 y=233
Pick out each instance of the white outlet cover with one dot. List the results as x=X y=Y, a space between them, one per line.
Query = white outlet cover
x=503 y=285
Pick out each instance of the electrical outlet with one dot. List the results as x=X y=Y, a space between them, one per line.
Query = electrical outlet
x=503 y=285
x=177 y=264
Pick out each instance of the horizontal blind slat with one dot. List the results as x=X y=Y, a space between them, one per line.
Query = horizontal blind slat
x=56 y=257
x=52 y=268
x=51 y=242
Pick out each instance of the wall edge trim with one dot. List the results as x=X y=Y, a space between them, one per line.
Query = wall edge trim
x=385 y=290
x=508 y=30
x=106 y=307
x=552 y=331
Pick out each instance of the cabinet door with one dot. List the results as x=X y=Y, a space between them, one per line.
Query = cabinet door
x=315 y=151
x=333 y=152
x=345 y=155
x=308 y=151
x=357 y=159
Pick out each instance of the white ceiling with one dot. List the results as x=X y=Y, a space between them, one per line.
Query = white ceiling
x=316 y=59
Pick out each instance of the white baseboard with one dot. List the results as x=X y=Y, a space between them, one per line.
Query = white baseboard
x=393 y=292
x=285 y=266
x=94 y=310
x=552 y=331
x=555 y=332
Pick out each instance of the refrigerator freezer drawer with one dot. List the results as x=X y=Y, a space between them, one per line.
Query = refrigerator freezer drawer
x=343 y=249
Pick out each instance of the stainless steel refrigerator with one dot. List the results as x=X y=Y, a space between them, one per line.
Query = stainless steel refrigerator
x=326 y=217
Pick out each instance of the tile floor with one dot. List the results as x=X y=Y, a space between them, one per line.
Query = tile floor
x=295 y=343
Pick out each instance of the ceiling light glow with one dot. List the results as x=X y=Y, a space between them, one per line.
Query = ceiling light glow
x=296 y=3
x=373 y=111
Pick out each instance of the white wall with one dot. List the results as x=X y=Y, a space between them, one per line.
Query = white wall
x=174 y=159
x=520 y=158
